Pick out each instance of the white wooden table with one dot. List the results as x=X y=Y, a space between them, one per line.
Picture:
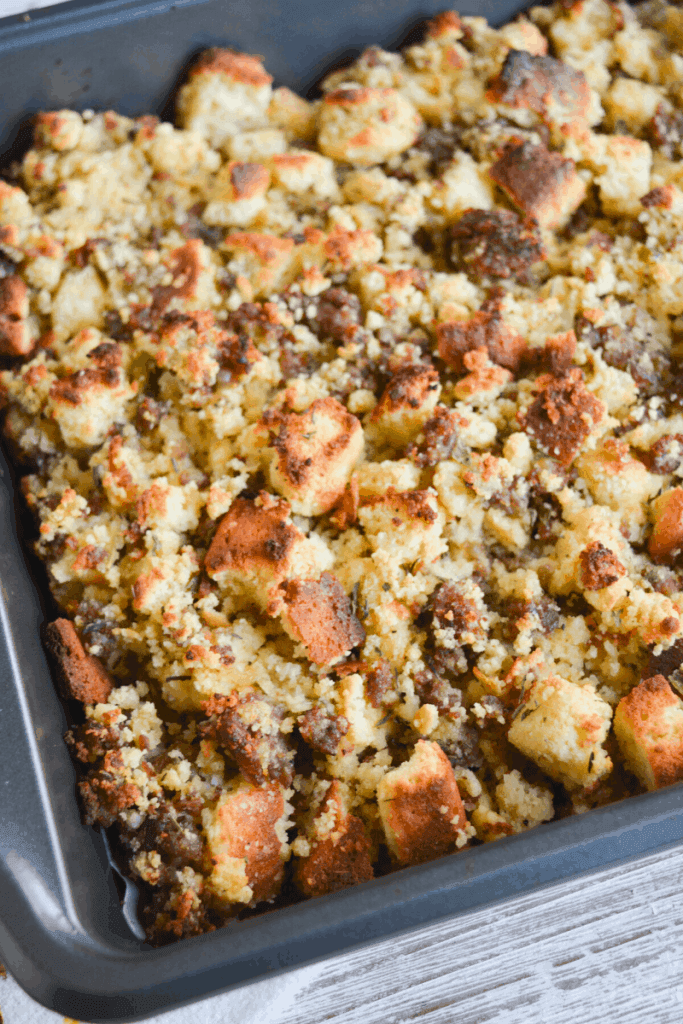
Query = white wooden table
x=606 y=948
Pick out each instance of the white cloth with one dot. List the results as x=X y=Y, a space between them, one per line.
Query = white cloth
x=264 y=1002
x=8 y=7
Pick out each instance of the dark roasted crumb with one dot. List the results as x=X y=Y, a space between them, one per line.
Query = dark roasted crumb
x=495 y=244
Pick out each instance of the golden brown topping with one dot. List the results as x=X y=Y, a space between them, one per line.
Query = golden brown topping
x=562 y=416
x=599 y=567
x=445 y=24
x=562 y=726
x=106 y=356
x=649 y=726
x=346 y=249
x=15 y=338
x=74 y=388
x=416 y=505
x=314 y=453
x=248 y=822
x=252 y=535
x=349 y=96
x=247 y=179
x=342 y=857
x=146 y=126
x=116 y=463
x=151 y=505
x=409 y=388
x=280 y=294
x=13 y=296
x=542 y=184
x=552 y=89
x=487 y=330
x=9 y=234
x=248 y=727
x=80 y=676
x=364 y=126
x=483 y=376
x=57 y=129
x=267 y=248
x=265 y=257
x=241 y=67
x=421 y=807
x=318 y=614
x=666 y=539
x=185 y=265
x=495 y=243
x=346 y=511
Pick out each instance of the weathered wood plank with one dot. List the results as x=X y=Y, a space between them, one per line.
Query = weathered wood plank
x=603 y=947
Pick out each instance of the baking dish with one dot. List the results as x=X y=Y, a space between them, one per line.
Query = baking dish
x=63 y=933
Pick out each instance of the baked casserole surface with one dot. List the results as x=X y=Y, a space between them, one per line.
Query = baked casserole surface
x=353 y=432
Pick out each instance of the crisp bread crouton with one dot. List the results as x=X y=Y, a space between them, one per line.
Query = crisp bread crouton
x=648 y=724
x=421 y=808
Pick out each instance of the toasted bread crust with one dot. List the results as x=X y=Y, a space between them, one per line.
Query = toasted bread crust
x=422 y=808
x=649 y=726
x=241 y=67
x=248 y=822
x=252 y=536
x=80 y=676
x=562 y=416
x=15 y=339
x=319 y=615
x=543 y=184
x=342 y=858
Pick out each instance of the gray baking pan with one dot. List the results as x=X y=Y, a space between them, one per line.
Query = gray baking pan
x=67 y=930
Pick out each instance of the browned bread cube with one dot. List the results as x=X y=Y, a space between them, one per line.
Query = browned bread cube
x=666 y=538
x=318 y=614
x=247 y=837
x=421 y=808
x=340 y=849
x=648 y=724
x=543 y=184
x=80 y=676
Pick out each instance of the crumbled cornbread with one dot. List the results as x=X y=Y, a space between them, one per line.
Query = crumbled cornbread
x=353 y=431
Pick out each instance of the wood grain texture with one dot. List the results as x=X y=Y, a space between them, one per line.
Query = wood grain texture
x=605 y=948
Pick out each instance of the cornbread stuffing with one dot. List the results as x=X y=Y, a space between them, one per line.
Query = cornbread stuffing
x=353 y=433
